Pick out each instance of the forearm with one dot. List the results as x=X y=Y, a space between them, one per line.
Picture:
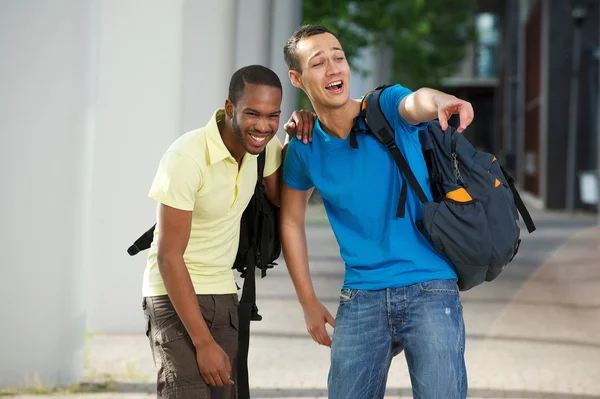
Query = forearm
x=295 y=251
x=183 y=296
x=421 y=106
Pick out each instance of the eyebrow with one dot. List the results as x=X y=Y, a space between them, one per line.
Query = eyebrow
x=318 y=53
x=248 y=109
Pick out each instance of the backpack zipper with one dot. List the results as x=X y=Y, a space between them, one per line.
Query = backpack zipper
x=459 y=179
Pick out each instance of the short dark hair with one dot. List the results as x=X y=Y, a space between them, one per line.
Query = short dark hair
x=289 y=50
x=251 y=74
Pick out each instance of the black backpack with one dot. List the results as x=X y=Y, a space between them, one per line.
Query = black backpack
x=473 y=218
x=259 y=247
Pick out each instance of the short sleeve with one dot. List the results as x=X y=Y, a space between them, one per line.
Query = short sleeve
x=390 y=101
x=295 y=172
x=177 y=181
x=272 y=156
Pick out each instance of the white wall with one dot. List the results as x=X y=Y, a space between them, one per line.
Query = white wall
x=44 y=102
x=253 y=32
x=208 y=58
x=138 y=115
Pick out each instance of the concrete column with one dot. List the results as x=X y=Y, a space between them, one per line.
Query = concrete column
x=253 y=32
x=208 y=58
x=45 y=83
x=285 y=19
x=138 y=115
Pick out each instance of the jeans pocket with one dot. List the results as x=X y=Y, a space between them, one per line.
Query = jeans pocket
x=348 y=295
x=449 y=287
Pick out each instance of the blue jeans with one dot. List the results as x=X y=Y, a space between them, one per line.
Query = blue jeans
x=371 y=327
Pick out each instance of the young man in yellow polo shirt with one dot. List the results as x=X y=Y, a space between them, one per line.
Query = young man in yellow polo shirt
x=204 y=182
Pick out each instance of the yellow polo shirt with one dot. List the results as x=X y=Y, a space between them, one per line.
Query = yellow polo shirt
x=198 y=174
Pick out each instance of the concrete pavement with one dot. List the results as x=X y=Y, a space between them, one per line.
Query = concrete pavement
x=532 y=333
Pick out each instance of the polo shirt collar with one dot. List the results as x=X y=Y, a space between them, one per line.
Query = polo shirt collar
x=214 y=142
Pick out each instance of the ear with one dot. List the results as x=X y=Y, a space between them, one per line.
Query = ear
x=229 y=108
x=295 y=79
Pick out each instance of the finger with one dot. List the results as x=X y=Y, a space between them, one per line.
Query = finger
x=289 y=127
x=443 y=119
x=225 y=377
x=329 y=318
x=315 y=333
x=313 y=336
x=208 y=379
x=322 y=335
x=217 y=378
x=299 y=126
x=306 y=126
x=326 y=340
x=466 y=116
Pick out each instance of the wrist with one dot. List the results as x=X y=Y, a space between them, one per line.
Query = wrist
x=202 y=341
x=308 y=300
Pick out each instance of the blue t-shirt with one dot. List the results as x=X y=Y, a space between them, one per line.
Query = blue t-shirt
x=360 y=190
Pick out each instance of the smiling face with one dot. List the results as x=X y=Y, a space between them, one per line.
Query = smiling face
x=324 y=73
x=255 y=117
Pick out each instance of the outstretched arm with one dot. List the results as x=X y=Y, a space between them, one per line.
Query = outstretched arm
x=427 y=104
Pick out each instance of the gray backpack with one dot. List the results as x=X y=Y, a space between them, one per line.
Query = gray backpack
x=473 y=218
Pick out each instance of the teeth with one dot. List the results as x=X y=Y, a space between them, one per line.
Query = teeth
x=259 y=139
x=339 y=82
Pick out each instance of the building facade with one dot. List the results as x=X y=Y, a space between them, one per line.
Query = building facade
x=549 y=91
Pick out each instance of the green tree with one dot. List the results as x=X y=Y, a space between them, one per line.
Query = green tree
x=428 y=38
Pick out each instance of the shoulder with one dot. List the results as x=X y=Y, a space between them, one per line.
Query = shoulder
x=297 y=155
x=390 y=100
x=392 y=96
x=273 y=146
x=186 y=155
x=296 y=146
x=272 y=156
x=191 y=144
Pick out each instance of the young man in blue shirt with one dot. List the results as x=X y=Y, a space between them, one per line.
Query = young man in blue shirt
x=398 y=293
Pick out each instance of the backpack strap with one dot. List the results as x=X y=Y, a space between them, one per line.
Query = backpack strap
x=248 y=310
x=261 y=165
x=381 y=129
x=143 y=242
x=519 y=202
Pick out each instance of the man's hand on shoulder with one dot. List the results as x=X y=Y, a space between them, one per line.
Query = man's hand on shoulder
x=301 y=124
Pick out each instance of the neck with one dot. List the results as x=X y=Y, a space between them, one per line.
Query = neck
x=231 y=143
x=337 y=122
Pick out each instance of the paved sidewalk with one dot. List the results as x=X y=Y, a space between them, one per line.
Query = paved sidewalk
x=533 y=333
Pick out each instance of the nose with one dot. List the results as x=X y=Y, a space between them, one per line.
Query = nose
x=333 y=68
x=262 y=126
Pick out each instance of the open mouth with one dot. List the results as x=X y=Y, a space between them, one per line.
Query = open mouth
x=258 y=140
x=335 y=87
